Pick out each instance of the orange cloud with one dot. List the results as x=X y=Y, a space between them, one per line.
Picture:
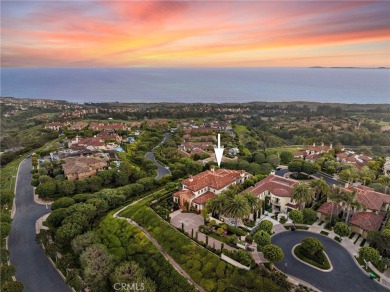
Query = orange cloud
x=185 y=33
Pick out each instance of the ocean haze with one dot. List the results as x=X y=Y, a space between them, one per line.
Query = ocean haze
x=200 y=85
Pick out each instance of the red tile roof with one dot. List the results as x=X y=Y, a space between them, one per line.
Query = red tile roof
x=369 y=198
x=203 y=198
x=278 y=186
x=183 y=193
x=368 y=221
x=215 y=179
x=291 y=205
x=327 y=208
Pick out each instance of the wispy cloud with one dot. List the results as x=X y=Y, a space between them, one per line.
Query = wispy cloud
x=194 y=33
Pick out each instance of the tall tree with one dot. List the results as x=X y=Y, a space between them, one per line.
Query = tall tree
x=216 y=205
x=350 y=202
x=302 y=194
x=254 y=202
x=273 y=253
x=320 y=187
x=237 y=207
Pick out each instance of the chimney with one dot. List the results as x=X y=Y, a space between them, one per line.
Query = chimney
x=322 y=144
x=242 y=174
x=212 y=168
x=346 y=185
x=314 y=144
x=191 y=179
x=331 y=146
x=273 y=172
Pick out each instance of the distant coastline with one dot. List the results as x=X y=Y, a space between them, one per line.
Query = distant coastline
x=198 y=85
x=320 y=67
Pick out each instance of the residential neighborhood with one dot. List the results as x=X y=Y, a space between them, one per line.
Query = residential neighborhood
x=246 y=214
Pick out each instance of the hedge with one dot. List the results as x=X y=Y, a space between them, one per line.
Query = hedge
x=195 y=260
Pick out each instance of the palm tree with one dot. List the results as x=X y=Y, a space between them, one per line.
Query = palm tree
x=320 y=187
x=336 y=196
x=254 y=202
x=302 y=194
x=237 y=207
x=216 y=205
x=349 y=199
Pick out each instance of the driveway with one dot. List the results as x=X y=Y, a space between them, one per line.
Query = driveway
x=32 y=265
x=190 y=221
x=345 y=276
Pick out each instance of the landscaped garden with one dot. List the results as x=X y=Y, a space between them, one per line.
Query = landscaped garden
x=311 y=251
x=204 y=267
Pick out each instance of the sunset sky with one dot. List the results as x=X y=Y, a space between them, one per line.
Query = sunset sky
x=195 y=34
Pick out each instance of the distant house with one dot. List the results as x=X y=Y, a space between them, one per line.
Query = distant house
x=198 y=189
x=111 y=136
x=130 y=139
x=234 y=151
x=386 y=167
x=312 y=153
x=275 y=191
x=351 y=158
x=189 y=146
x=78 y=126
x=135 y=125
x=79 y=168
x=56 y=126
x=91 y=143
x=109 y=127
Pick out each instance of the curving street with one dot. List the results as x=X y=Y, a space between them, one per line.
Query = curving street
x=161 y=170
x=32 y=265
x=345 y=276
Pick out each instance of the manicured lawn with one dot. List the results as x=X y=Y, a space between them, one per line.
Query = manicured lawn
x=323 y=266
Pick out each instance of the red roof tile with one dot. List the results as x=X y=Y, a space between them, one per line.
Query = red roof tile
x=183 y=193
x=278 y=186
x=215 y=179
x=368 y=221
x=327 y=208
x=203 y=198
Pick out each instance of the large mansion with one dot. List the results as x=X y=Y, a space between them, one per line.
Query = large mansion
x=197 y=189
x=275 y=190
x=79 y=168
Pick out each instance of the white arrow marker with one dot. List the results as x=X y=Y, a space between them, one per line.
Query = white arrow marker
x=219 y=151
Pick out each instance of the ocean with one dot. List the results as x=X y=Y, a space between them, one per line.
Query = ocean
x=199 y=85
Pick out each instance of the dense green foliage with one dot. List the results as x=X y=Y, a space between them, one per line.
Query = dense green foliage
x=197 y=261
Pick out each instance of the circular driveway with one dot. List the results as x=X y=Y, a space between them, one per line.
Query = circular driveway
x=345 y=276
x=189 y=220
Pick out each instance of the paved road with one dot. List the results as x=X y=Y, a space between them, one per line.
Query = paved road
x=345 y=276
x=161 y=170
x=330 y=181
x=32 y=266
